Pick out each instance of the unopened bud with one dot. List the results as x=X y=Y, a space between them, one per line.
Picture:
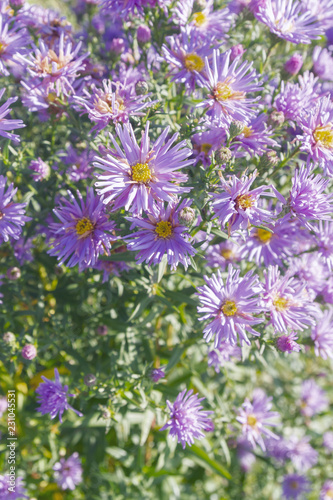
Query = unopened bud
x=102 y=330
x=9 y=337
x=235 y=128
x=29 y=352
x=141 y=87
x=89 y=379
x=13 y=273
x=223 y=155
x=143 y=33
x=186 y=215
x=268 y=159
x=276 y=118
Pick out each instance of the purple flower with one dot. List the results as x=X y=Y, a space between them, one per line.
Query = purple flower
x=328 y=440
x=287 y=301
x=244 y=453
x=115 y=102
x=237 y=205
x=161 y=234
x=18 y=491
x=52 y=397
x=313 y=398
x=317 y=138
x=41 y=168
x=143 y=33
x=322 y=334
x=308 y=200
x=187 y=419
x=29 y=352
x=286 y=19
x=322 y=10
x=204 y=143
x=228 y=86
x=310 y=268
x=326 y=493
x=210 y=23
x=12 y=41
x=68 y=473
x=236 y=50
x=144 y=173
x=255 y=137
x=294 y=98
x=295 y=486
x=270 y=246
x=256 y=417
x=83 y=232
x=301 y=453
x=6 y=124
x=324 y=241
x=287 y=343
x=79 y=162
x=12 y=216
x=294 y=64
x=322 y=63
x=218 y=357
x=232 y=305
x=156 y=374
x=129 y=7
x=22 y=250
x=186 y=54
x=223 y=254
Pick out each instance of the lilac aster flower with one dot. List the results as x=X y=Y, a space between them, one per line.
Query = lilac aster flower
x=204 y=143
x=227 y=252
x=287 y=301
x=12 y=41
x=231 y=304
x=161 y=234
x=310 y=268
x=12 y=216
x=322 y=334
x=287 y=343
x=18 y=491
x=256 y=417
x=68 y=473
x=79 y=163
x=294 y=98
x=60 y=65
x=142 y=174
x=322 y=63
x=210 y=23
x=313 y=398
x=237 y=205
x=324 y=240
x=83 y=232
x=42 y=170
x=42 y=98
x=326 y=493
x=115 y=102
x=255 y=137
x=277 y=448
x=285 y=19
x=52 y=397
x=22 y=250
x=295 y=486
x=328 y=440
x=317 y=138
x=308 y=200
x=322 y=10
x=228 y=86
x=6 y=124
x=188 y=420
x=218 y=357
x=301 y=453
x=156 y=374
x=29 y=352
x=127 y=7
x=270 y=246
x=244 y=453
x=186 y=54
x=294 y=64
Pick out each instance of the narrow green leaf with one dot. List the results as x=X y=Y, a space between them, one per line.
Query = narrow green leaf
x=212 y=463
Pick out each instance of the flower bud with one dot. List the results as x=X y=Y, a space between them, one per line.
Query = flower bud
x=29 y=352
x=186 y=216
x=269 y=159
x=117 y=45
x=235 y=128
x=276 y=118
x=102 y=330
x=223 y=155
x=13 y=273
x=143 y=34
x=294 y=64
x=141 y=87
x=89 y=380
x=9 y=337
x=236 y=50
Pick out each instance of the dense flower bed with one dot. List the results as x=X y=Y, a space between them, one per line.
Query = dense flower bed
x=166 y=249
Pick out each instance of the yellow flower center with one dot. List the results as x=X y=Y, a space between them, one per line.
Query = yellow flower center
x=329 y=493
x=199 y=18
x=229 y=308
x=244 y=201
x=223 y=91
x=1 y=215
x=3 y=47
x=84 y=226
x=247 y=131
x=193 y=62
x=163 y=229
x=263 y=235
x=205 y=148
x=227 y=253
x=324 y=135
x=141 y=173
x=294 y=485
x=280 y=303
x=251 y=420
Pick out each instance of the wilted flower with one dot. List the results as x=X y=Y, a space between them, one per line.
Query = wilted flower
x=256 y=417
x=188 y=420
x=232 y=305
x=84 y=231
x=52 y=397
x=143 y=174
x=68 y=473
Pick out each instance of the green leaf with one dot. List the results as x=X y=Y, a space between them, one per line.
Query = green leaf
x=122 y=256
x=210 y=462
